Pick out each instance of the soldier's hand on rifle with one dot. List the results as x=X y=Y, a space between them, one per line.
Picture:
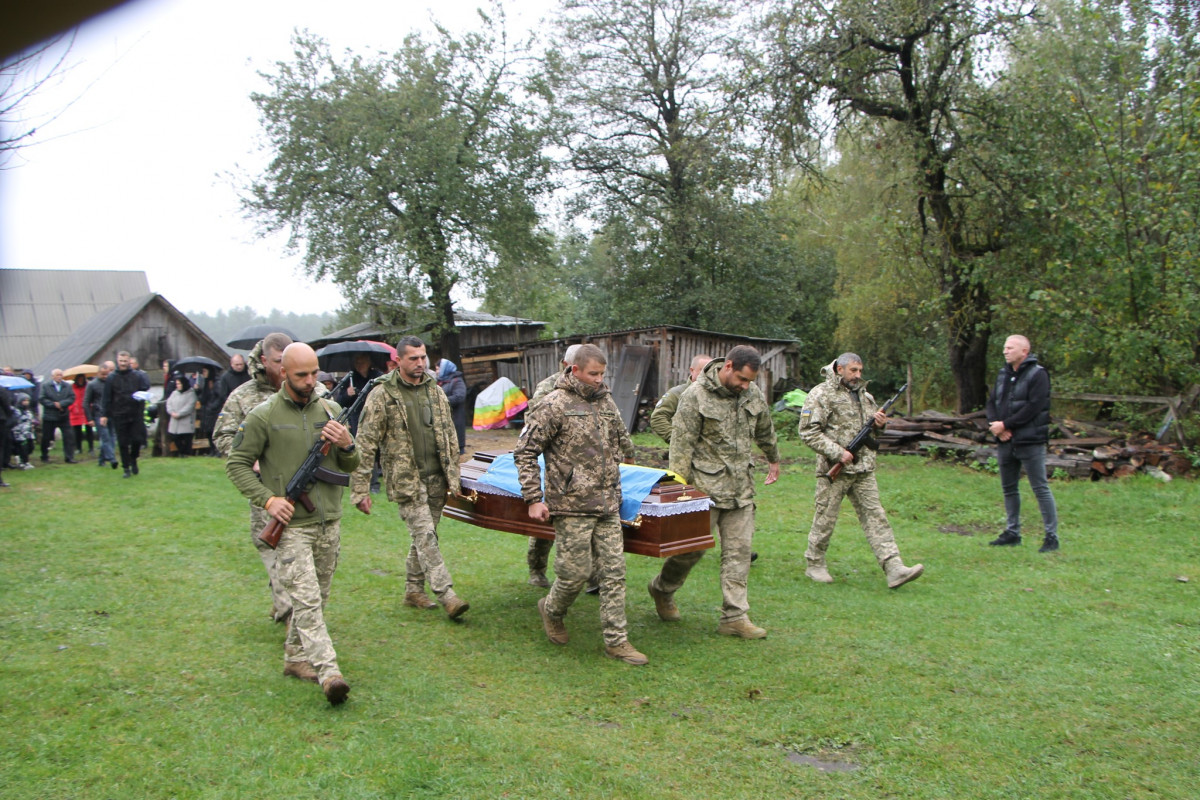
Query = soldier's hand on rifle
x=280 y=509
x=880 y=419
x=539 y=512
x=772 y=473
x=364 y=505
x=337 y=433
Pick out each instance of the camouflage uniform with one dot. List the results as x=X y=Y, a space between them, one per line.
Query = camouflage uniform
x=664 y=411
x=583 y=437
x=538 y=555
x=713 y=432
x=277 y=435
x=831 y=417
x=241 y=401
x=419 y=489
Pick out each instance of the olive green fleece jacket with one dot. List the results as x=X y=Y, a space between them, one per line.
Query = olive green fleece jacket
x=278 y=435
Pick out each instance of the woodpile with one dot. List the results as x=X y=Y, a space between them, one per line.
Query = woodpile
x=1080 y=449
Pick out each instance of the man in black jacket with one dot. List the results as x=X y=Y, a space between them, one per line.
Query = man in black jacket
x=126 y=412
x=1018 y=413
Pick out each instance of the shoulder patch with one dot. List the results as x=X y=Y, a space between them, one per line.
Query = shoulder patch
x=237 y=437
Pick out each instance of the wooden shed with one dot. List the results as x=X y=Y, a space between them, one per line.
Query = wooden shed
x=643 y=363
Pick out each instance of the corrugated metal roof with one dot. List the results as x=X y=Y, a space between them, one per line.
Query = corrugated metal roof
x=39 y=308
x=462 y=319
x=91 y=337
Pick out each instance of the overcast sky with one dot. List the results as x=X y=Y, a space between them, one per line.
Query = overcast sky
x=154 y=128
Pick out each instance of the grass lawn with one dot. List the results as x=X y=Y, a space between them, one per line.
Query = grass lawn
x=139 y=660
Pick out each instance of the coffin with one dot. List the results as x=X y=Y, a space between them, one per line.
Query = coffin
x=672 y=520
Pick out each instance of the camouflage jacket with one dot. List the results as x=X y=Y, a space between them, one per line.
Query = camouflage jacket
x=664 y=411
x=583 y=437
x=278 y=435
x=383 y=427
x=712 y=435
x=544 y=388
x=244 y=398
x=832 y=416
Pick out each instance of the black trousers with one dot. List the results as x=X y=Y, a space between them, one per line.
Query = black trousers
x=68 y=436
x=131 y=435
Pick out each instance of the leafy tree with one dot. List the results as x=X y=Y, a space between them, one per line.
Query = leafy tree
x=923 y=74
x=1114 y=241
x=656 y=120
x=408 y=174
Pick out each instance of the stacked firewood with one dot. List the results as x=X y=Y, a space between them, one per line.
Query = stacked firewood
x=1080 y=449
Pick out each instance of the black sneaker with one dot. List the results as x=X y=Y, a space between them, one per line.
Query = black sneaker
x=1049 y=544
x=1006 y=539
x=127 y=473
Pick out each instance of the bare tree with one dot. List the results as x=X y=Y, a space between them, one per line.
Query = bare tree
x=21 y=78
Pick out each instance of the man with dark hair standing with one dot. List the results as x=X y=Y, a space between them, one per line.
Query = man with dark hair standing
x=582 y=436
x=56 y=398
x=407 y=420
x=720 y=417
x=93 y=398
x=278 y=436
x=266 y=377
x=1018 y=412
x=125 y=412
x=833 y=414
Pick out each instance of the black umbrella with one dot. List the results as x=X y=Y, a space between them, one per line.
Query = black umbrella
x=195 y=363
x=339 y=356
x=248 y=337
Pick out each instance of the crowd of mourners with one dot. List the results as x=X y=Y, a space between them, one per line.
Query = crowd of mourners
x=111 y=411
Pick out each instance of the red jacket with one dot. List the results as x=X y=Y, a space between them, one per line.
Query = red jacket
x=77 y=415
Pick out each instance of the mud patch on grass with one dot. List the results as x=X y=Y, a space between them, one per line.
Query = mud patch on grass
x=975 y=529
x=822 y=765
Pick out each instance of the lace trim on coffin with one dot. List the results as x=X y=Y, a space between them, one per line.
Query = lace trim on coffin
x=647 y=509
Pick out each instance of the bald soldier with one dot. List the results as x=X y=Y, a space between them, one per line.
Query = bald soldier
x=278 y=435
x=668 y=404
x=265 y=366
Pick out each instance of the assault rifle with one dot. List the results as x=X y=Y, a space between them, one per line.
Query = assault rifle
x=864 y=437
x=311 y=470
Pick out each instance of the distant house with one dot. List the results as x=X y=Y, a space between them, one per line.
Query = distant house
x=59 y=318
x=485 y=341
x=643 y=363
x=39 y=308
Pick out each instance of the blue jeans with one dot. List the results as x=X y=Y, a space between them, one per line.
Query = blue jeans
x=1033 y=458
x=107 y=454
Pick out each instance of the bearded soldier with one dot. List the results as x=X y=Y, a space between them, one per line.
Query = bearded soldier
x=833 y=414
x=265 y=366
x=408 y=421
x=721 y=416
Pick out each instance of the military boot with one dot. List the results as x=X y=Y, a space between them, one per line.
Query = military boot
x=742 y=628
x=818 y=571
x=537 y=577
x=664 y=604
x=336 y=689
x=1049 y=544
x=418 y=599
x=556 y=631
x=300 y=669
x=455 y=606
x=626 y=652
x=898 y=574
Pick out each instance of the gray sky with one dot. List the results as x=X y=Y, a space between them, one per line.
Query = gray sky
x=156 y=127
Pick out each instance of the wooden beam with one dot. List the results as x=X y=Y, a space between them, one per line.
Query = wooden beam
x=506 y=356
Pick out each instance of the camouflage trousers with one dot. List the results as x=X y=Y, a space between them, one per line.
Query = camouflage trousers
x=733 y=528
x=538 y=555
x=864 y=496
x=424 y=562
x=281 y=604
x=305 y=560
x=584 y=543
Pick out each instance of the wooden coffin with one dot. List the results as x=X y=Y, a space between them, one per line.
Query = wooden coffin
x=663 y=528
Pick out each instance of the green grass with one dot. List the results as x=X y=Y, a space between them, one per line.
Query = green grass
x=138 y=659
